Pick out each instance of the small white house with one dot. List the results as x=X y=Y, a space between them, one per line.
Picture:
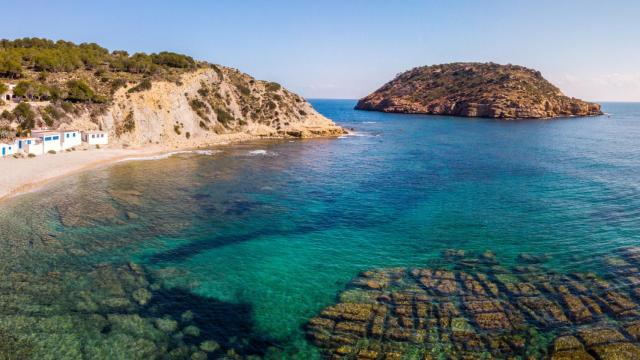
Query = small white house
x=51 y=140
x=29 y=145
x=7 y=149
x=22 y=142
x=7 y=96
x=71 y=138
x=95 y=137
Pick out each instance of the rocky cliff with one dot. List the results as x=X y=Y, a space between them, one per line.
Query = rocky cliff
x=166 y=99
x=475 y=90
x=207 y=105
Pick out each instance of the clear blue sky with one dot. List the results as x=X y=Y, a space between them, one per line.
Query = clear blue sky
x=347 y=48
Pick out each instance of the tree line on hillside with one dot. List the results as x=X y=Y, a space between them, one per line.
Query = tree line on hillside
x=43 y=55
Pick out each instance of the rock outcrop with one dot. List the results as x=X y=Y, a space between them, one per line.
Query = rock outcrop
x=210 y=104
x=475 y=90
x=480 y=309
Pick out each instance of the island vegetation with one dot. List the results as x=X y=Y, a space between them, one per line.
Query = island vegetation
x=475 y=90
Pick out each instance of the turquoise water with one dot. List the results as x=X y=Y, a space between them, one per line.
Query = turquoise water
x=263 y=240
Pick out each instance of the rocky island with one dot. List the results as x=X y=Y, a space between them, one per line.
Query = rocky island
x=475 y=90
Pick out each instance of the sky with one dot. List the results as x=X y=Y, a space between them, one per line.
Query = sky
x=349 y=48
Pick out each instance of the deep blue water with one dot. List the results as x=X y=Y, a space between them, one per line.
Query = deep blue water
x=277 y=234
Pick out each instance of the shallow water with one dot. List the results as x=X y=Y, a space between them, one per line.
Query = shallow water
x=258 y=238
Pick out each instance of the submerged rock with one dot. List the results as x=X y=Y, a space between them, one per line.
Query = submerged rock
x=484 y=313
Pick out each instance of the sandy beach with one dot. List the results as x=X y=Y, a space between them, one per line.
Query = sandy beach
x=29 y=174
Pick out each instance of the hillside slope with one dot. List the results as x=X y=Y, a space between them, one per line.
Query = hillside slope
x=475 y=90
x=208 y=104
x=165 y=99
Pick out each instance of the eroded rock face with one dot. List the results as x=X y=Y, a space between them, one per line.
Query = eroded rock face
x=480 y=310
x=209 y=105
x=475 y=90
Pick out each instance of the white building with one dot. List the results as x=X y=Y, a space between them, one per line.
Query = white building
x=95 y=137
x=7 y=95
x=29 y=145
x=7 y=149
x=71 y=138
x=51 y=140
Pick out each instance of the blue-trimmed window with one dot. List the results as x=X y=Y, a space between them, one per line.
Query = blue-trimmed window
x=48 y=138
x=56 y=138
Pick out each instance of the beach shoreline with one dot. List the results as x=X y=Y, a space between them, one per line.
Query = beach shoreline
x=25 y=175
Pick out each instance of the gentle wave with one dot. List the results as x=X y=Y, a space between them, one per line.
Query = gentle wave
x=170 y=154
x=357 y=134
x=261 y=152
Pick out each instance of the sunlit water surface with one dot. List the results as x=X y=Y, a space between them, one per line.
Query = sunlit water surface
x=263 y=240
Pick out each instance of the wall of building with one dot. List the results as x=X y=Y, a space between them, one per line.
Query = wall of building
x=71 y=139
x=96 y=138
x=51 y=144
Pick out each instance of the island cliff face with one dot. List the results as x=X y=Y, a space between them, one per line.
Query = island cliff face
x=475 y=90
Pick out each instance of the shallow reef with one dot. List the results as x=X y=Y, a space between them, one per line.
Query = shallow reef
x=116 y=312
x=475 y=308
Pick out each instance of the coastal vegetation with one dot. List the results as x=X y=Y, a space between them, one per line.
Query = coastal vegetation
x=475 y=90
x=60 y=82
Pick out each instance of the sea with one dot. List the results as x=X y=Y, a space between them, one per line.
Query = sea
x=230 y=251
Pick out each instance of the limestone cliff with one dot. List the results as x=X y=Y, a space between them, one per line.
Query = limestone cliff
x=475 y=90
x=208 y=104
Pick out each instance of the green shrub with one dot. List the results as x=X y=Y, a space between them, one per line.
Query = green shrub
x=79 y=91
x=176 y=128
x=188 y=135
x=143 y=86
x=3 y=88
x=11 y=64
x=51 y=152
x=273 y=86
x=203 y=91
x=172 y=59
x=117 y=84
x=198 y=105
x=244 y=90
x=68 y=107
x=7 y=115
x=200 y=108
x=47 y=119
x=129 y=123
x=223 y=116
x=25 y=115
x=31 y=155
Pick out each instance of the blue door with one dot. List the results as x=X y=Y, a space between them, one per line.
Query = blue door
x=4 y=151
x=19 y=144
